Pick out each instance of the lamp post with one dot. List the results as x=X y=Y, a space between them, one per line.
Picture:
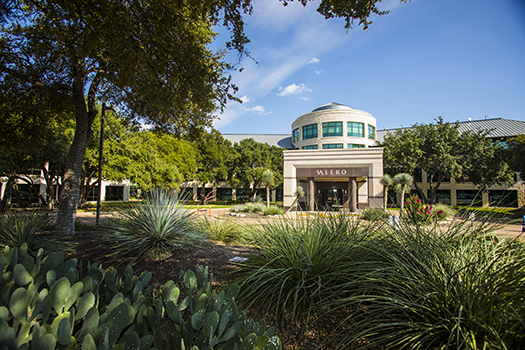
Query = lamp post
x=100 y=159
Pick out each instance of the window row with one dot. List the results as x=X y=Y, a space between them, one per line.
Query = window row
x=334 y=129
x=472 y=198
x=335 y=146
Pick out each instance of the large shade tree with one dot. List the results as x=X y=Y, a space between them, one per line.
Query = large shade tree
x=149 y=58
x=443 y=152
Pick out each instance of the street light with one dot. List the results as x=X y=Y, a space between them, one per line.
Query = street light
x=100 y=151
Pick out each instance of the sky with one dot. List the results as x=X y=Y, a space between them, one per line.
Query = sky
x=457 y=59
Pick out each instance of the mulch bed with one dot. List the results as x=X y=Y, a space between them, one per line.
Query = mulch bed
x=91 y=246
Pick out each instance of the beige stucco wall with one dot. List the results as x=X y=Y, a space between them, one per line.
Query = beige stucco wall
x=370 y=192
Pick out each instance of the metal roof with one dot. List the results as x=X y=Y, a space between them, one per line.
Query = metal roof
x=279 y=140
x=332 y=106
x=499 y=128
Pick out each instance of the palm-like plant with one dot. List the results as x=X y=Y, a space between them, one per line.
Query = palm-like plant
x=386 y=181
x=154 y=228
x=403 y=181
x=298 y=194
x=268 y=179
x=16 y=229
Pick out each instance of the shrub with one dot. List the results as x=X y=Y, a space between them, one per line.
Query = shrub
x=16 y=229
x=442 y=211
x=433 y=289
x=46 y=304
x=252 y=208
x=153 y=228
x=273 y=210
x=375 y=214
x=416 y=212
x=298 y=264
x=227 y=231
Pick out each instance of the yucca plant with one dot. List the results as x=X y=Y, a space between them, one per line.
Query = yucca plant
x=17 y=229
x=299 y=263
x=428 y=288
x=153 y=228
x=375 y=214
x=228 y=230
x=273 y=210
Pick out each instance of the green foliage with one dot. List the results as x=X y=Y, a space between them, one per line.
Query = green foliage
x=35 y=230
x=298 y=264
x=46 y=304
x=422 y=288
x=153 y=228
x=228 y=231
x=273 y=210
x=441 y=211
x=516 y=153
x=252 y=208
x=418 y=213
x=441 y=151
x=249 y=161
x=375 y=214
x=17 y=229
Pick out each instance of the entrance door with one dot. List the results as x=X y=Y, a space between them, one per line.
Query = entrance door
x=332 y=199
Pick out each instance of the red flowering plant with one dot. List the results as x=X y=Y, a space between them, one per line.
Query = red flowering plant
x=416 y=212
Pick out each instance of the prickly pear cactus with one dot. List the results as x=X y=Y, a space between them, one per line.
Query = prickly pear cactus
x=45 y=303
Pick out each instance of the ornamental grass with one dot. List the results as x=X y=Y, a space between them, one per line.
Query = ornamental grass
x=299 y=263
x=458 y=287
x=153 y=228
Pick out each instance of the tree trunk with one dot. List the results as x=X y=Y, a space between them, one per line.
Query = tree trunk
x=8 y=193
x=268 y=196
x=385 y=198
x=69 y=194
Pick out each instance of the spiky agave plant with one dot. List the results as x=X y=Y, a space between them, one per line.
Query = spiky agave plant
x=17 y=229
x=153 y=228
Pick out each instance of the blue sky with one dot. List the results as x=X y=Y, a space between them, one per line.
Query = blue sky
x=426 y=58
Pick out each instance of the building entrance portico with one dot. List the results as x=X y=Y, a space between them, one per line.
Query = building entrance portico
x=334 y=179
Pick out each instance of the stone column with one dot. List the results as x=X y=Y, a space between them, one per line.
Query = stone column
x=311 y=194
x=352 y=191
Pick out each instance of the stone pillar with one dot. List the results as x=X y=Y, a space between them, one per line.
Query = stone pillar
x=311 y=194
x=352 y=192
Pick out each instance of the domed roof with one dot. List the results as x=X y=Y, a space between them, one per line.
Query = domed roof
x=333 y=106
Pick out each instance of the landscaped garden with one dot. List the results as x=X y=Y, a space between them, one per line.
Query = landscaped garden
x=327 y=281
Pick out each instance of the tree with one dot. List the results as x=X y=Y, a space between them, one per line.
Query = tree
x=267 y=178
x=150 y=58
x=442 y=152
x=516 y=154
x=386 y=181
x=249 y=161
x=402 y=182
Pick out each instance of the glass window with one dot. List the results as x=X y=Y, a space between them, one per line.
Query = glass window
x=114 y=193
x=443 y=196
x=371 y=132
x=356 y=129
x=503 y=198
x=333 y=145
x=353 y=145
x=333 y=129
x=471 y=198
x=295 y=135
x=418 y=175
x=310 y=147
x=310 y=131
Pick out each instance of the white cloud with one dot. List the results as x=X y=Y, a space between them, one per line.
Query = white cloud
x=314 y=60
x=318 y=72
x=293 y=89
x=305 y=98
x=245 y=99
x=258 y=110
